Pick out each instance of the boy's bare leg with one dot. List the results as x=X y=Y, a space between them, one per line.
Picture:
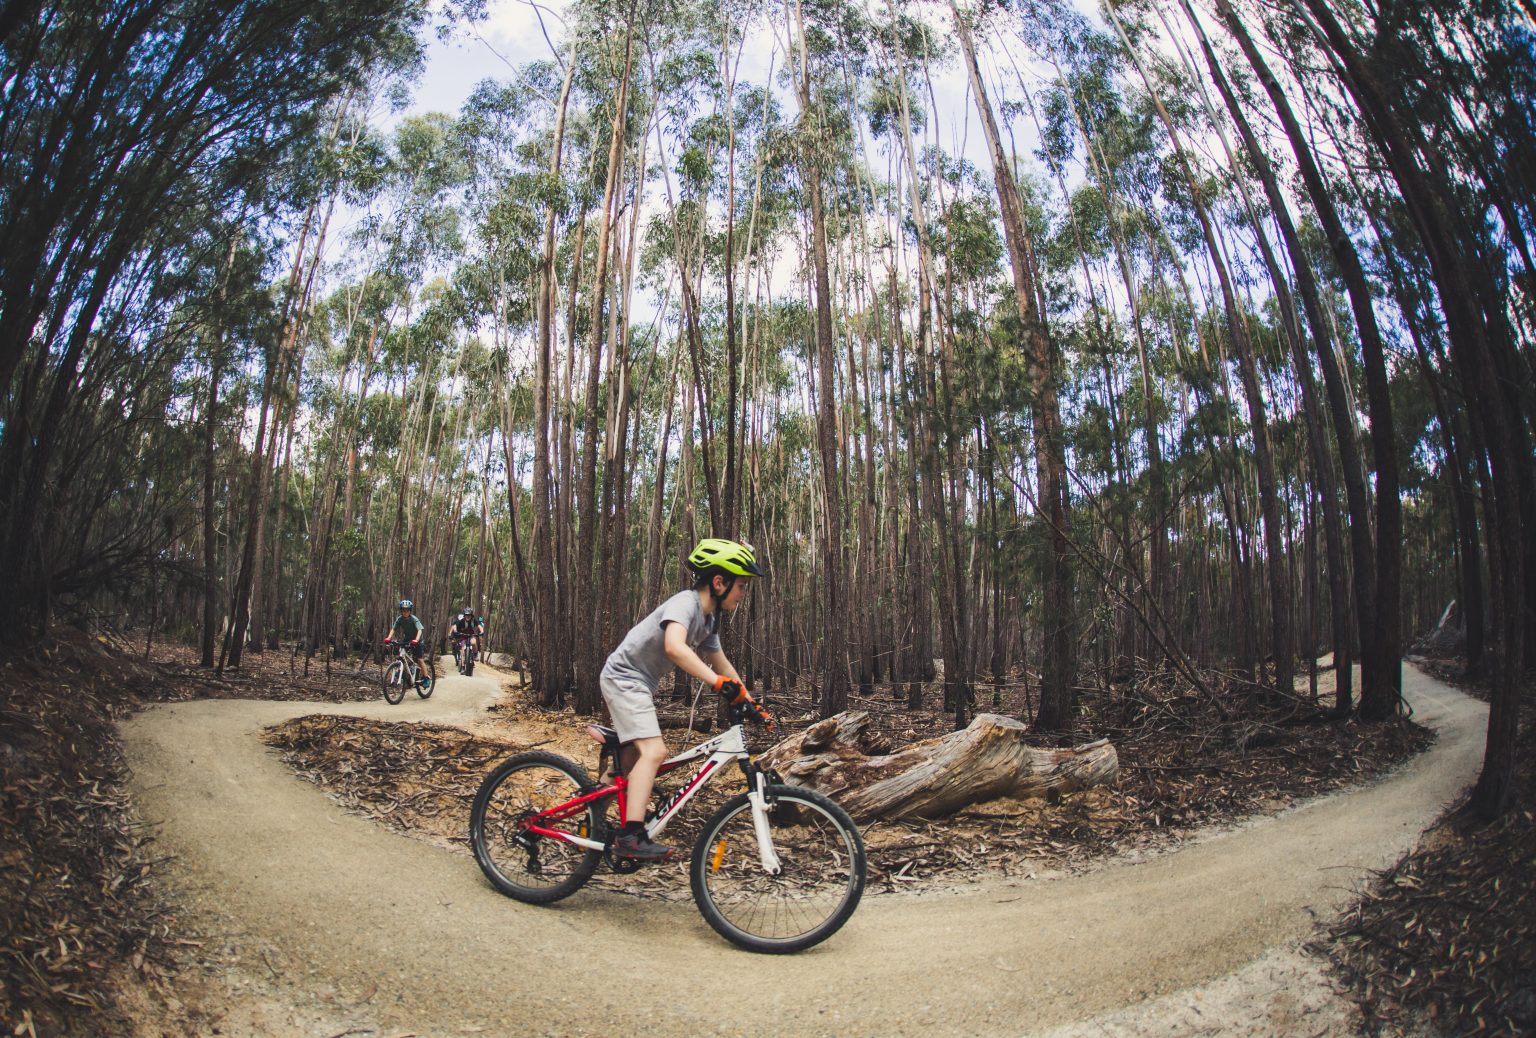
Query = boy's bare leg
x=642 y=758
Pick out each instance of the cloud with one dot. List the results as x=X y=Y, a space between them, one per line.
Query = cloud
x=513 y=28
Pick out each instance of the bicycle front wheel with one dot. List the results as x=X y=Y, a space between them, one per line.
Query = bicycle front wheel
x=821 y=877
x=469 y=662
x=394 y=681
x=528 y=866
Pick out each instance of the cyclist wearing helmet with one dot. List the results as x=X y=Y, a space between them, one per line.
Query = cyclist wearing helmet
x=682 y=632
x=468 y=627
x=408 y=629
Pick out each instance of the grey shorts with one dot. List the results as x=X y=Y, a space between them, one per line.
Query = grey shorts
x=632 y=707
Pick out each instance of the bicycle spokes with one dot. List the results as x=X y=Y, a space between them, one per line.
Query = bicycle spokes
x=778 y=870
x=791 y=894
x=523 y=843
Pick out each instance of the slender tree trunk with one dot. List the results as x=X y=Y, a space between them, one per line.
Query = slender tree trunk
x=1381 y=688
x=835 y=659
x=654 y=563
x=588 y=630
x=209 y=634
x=1484 y=356
x=1280 y=596
x=1058 y=657
x=543 y=643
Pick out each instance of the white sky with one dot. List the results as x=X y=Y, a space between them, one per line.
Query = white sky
x=512 y=37
x=508 y=39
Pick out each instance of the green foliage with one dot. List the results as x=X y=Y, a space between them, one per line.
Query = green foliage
x=420 y=335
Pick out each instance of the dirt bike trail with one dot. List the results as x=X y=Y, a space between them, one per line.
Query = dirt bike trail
x=366 y=931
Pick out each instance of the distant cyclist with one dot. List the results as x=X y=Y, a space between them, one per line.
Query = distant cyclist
x=408 y=631
x=468 y=628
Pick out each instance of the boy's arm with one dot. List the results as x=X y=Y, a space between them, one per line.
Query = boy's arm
x=738 y=696
x=717 y=661
x=679 y=652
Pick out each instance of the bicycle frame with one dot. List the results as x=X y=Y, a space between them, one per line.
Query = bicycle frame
x=409 y=662
x=729 y=745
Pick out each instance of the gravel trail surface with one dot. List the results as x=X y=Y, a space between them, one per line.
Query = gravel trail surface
x=341 y=926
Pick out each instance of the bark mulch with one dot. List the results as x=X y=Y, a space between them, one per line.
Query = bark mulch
x=277 y=674
x=1187 y=761
x=416 y=778
x=1448 y=935
x=77 y=911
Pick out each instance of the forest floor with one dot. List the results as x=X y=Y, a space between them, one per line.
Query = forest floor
x=200 y=949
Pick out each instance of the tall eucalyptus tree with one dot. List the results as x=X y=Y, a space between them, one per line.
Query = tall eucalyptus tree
x=116 y=124
x=1058 y=659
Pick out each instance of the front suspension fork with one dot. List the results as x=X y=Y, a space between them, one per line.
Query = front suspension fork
x=757 y=797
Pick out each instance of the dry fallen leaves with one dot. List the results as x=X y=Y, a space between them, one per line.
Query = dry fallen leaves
x=1447 y=933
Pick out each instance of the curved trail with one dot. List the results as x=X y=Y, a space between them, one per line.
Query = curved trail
x=391 y=933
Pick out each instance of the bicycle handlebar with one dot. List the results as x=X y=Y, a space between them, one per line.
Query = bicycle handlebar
x=750 y=710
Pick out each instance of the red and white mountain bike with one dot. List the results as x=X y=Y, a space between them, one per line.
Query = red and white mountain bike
x=775 y=869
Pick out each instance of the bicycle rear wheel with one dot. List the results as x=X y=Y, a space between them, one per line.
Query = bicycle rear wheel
x=394 y=681
x=528 y=866
x=816 y=891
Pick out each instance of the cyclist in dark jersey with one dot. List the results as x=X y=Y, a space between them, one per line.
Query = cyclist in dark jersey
x=468 y=627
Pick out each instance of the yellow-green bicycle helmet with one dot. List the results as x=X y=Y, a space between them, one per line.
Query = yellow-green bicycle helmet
x=730 y=558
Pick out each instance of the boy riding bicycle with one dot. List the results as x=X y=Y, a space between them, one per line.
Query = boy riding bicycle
x=681 y=632
x=407 y=631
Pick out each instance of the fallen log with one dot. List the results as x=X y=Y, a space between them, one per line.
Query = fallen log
x=843 y=758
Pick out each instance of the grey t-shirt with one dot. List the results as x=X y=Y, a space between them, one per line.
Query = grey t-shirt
x=642 y=655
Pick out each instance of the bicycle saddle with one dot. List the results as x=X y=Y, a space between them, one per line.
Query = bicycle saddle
x=605 y=735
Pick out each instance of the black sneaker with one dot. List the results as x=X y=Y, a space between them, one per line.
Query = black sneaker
x=638 y=845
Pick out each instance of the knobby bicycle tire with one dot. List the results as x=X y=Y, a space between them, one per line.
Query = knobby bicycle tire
x=394 y=682
x=817 y=890
x=530 y=868
x=469 y=662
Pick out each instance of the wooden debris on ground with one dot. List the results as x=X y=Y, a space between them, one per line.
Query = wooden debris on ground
x=278 y=674
x=75 y=867
x=1185 y=762
x=75 y=863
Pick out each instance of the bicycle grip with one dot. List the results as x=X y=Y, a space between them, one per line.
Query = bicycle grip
x=760 y=713
x=731 y=690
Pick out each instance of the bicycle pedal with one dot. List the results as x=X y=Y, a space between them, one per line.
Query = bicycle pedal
x=624 y=866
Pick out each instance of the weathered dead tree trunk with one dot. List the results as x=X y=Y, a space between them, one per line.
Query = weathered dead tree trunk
x=844 y=759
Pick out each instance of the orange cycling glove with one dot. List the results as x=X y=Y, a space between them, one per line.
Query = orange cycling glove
x=736 y=694
x=731 y=690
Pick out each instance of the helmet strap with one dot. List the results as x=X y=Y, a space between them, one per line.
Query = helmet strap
x=730 y=582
